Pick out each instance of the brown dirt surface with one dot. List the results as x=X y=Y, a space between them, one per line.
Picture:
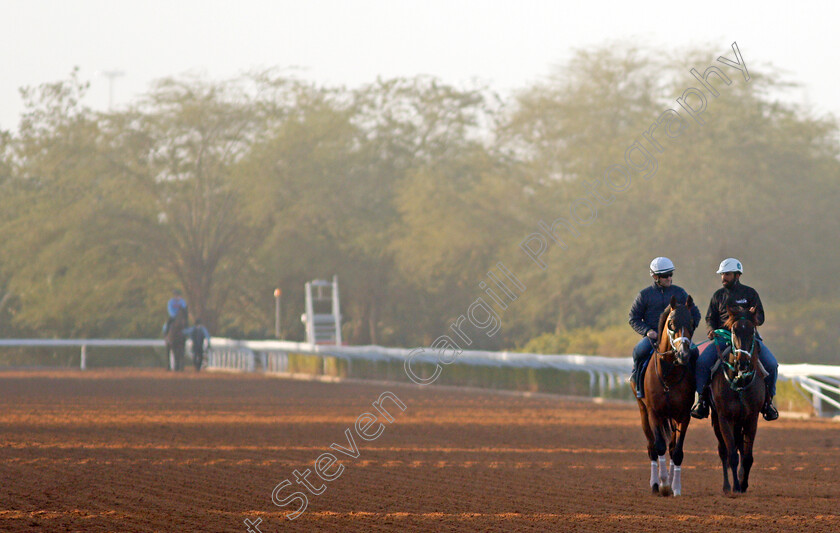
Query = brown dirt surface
x=147 y=450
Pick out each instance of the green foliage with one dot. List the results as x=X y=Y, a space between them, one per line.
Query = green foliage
x=804 y=331
x=410 y=190
x=615 y=341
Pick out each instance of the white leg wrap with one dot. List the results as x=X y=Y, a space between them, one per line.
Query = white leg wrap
x=677 y=484
x=671 y=474
x=654 y=473
x=663 y=470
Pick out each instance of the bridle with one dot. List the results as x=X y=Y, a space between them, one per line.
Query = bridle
x=739 y=376
x=672 y=340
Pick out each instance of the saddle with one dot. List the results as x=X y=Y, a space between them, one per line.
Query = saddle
x=726 y=336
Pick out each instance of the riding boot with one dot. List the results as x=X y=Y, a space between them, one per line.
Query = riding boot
x=769 y=411
x=640 y=382
x=701 y=405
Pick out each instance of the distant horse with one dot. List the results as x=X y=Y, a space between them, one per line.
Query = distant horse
x=176 y=340
x=669 y=392
x=737 y=397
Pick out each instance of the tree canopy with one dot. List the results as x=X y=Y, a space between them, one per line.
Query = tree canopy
x=410 y=190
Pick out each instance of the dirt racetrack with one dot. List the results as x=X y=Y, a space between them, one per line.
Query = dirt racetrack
x=134 y=451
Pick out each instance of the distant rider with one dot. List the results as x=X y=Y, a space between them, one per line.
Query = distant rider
x=733 y=292
x=646 y=310
x=175 y=304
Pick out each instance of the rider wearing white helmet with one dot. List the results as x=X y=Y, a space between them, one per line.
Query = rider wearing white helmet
x=645 y=312
x=733 y=293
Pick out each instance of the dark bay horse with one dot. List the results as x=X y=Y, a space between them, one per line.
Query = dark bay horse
x=736 y=399
x=176 y=340
x=669 y=393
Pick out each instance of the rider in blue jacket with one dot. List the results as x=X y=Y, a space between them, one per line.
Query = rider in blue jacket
x=646 y=310
x=172 y=307
x=733 y=293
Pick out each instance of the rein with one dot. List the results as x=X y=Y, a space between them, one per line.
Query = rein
x=701 y=344
x=727 y=335
x=665 y=386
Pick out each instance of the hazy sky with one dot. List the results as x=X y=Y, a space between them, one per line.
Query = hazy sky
x=504 y=43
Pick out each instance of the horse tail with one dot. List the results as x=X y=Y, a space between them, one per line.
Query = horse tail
x=668 y=427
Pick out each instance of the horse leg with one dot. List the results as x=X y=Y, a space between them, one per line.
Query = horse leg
x=171 y=356
x=660 y=448
x=654 y=465
x=664 y=487
x=672 y=442
x=731 y=457
x=671 y=446
x=750 y=428
x=721 y=451
x=677 y=455
x=739 y=447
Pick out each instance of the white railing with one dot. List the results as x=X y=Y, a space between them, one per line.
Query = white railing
x=83 y=344
x=605 y=373
x=236 y=359
x=818 y=380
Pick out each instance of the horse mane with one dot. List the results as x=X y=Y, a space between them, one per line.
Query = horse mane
x=663 y=318
x=737 y=313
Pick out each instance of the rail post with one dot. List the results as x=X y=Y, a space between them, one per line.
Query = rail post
x=83 y=364
x=817 y=403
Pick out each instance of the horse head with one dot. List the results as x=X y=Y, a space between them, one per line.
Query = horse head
x=742 y=359
x=676 y=326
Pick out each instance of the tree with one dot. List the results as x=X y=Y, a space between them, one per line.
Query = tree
x=64 y=279
x=108 y=212
x=179 y=203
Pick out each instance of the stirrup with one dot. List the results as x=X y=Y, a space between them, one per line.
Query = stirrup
x=701 y=408
x=769 y=411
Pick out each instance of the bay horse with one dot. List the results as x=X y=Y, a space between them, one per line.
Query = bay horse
x=737 y=397
x=176 y=340
x=669 y=393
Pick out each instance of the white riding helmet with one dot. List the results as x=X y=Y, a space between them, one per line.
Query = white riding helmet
x=730 y=264
x=661 y=265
